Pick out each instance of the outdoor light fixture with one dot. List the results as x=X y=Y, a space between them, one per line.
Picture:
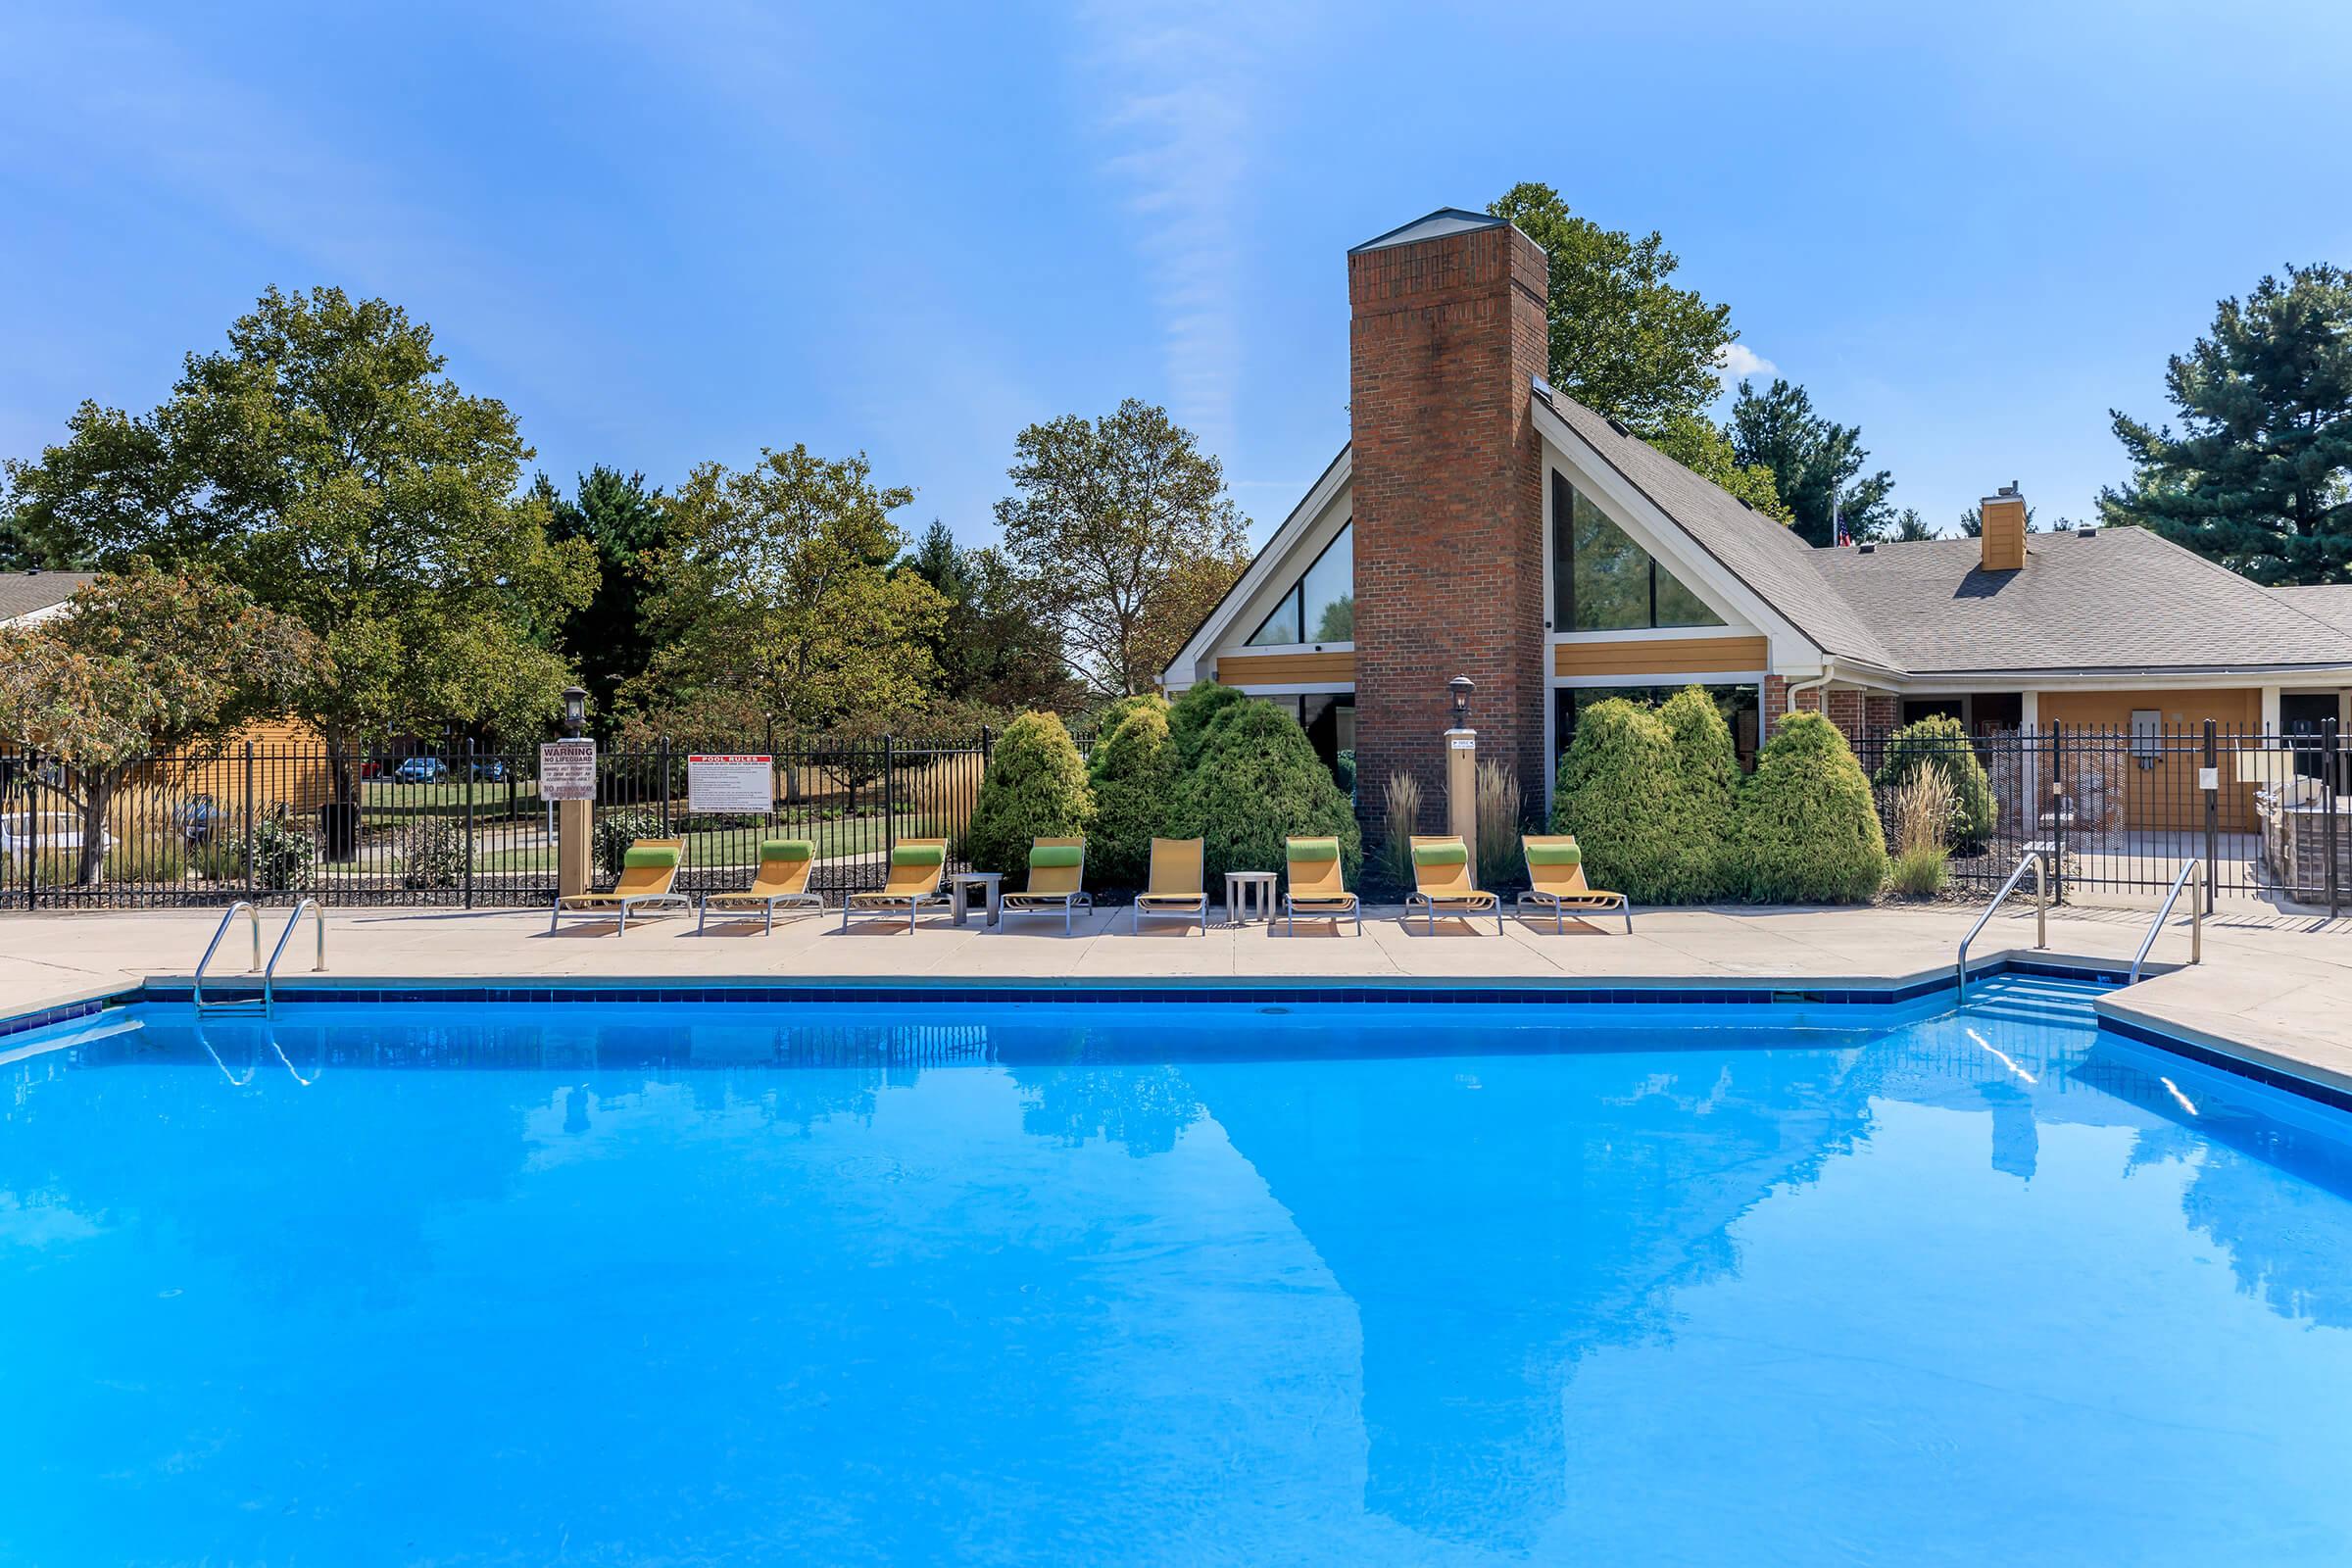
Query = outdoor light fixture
x=1460 y=686
x=576 y=711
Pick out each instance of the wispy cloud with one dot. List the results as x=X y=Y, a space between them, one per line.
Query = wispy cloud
x=1734 y=362
x=1179 y=85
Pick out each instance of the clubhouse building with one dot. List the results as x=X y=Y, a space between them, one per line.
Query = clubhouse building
x=1480 y=523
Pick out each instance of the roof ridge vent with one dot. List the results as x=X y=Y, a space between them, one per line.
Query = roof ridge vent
x=1618 y=425
x=2087 y=530
x=1867 y=548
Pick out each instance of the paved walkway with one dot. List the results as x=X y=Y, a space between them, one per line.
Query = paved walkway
x=2278 y=985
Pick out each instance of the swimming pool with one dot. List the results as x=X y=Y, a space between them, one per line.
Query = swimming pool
x=1285 y=1282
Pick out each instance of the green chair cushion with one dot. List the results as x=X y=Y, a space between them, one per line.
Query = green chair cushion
x=1440 y=855
x=917 y=854
x=643 y=856
x=1314 y=849
x=1056 y=856
x=787 y=849
x=1554 y=855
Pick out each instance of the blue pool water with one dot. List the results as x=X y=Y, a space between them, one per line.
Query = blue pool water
x=617 y=1284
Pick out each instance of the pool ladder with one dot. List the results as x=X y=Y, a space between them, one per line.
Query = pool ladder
x=2036 y=861
x=263 y=1002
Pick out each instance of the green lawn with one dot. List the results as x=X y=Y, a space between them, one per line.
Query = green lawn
x=385 y=801
x=835 y=839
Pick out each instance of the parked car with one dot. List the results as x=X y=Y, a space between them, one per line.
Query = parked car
x=197 y=818
x=421 y=770
x=493 y=768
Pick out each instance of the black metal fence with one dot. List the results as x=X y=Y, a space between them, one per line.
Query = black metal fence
x=461 y=825
x=2124 y=810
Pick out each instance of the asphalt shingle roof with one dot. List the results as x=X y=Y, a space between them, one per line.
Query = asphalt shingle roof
x=2331 y=602
x=23 y=592
x=1781 y=568
x=2122 y=600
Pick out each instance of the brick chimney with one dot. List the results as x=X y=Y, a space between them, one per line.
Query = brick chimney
x=2002 y=537
x=1446 y=333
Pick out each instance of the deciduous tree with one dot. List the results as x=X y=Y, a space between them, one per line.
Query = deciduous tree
x=144 y=662
x=1118 y=525
x=995 y=646
x=774 y=597
x=324 y=463
x=2260 y=476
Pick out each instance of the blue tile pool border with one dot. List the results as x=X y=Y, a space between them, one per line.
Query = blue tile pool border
x=1402 y=992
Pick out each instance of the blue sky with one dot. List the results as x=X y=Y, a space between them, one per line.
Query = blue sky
x=666 y=234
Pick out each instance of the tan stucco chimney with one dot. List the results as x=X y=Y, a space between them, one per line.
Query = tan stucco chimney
x=2003 y=535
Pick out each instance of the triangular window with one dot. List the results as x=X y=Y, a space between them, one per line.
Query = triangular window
x=1320 y=606
x=1601 y=580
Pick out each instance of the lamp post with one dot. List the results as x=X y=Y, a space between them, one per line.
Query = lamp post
x=575 y=711
x=1461 y=764
x=575 y=820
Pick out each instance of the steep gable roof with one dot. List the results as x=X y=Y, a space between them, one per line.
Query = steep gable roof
x=1780 y=568
x=2331 y=602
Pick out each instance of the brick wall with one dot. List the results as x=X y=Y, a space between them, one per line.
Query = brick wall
x=1855 y=712
x=1445 y=336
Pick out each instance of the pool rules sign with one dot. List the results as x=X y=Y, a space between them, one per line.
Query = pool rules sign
x=568 y=770
x=730 y=784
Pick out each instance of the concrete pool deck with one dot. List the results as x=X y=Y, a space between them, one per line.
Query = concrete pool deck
x=2274 y=989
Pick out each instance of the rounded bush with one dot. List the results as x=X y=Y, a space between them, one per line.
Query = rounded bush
x=1135 y=780
x=1191 y=716
x=1258 y=782
x=1617 y=792
x=1805 y=829
x=432 y=854
x=1034 y=788
x=1941 y=743
x=1115 y=714
x=1706 y=770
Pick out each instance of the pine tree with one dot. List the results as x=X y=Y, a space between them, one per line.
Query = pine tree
x=2260 y=479
x=1816 y=463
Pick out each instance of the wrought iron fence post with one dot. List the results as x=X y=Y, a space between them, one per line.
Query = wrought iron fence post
x=2329 y=740
x=2213 y=810
x=2057 y=813
x=470 y=821
x=32 y=829
x=664 y=763
x=890 y=794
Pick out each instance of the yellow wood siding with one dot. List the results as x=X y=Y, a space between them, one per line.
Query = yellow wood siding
x=2164 y=796
x=1285 y=670
x=1659 y=656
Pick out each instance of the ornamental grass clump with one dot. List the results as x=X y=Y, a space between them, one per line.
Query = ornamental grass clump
x=1399 y=820
x=1135 y=783
x=1501 y=819
x=1922 y=818
x=1805 y=828
x=1940 y=745
x=1257 y=783
x=1034 y=788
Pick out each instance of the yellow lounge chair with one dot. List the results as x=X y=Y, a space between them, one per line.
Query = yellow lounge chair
x=1318 y=886
x=649 y=872
x=1555 y=870
x=782 y=880
x=1057 y=880
x=1176 y=885
x=915 y=867
x=1442 y=882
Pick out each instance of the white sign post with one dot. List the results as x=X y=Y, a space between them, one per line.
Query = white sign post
x=568 y=770
x=731 y=784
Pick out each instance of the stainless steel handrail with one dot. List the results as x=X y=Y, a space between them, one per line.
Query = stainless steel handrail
x=2038 y=860
x=227 y=917
x=318 y=919
x=2196 y=923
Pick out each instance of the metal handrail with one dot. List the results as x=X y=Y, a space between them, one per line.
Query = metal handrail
x=2038 y=861
x=227 y=917
x=2196 y=925
x=318 y=919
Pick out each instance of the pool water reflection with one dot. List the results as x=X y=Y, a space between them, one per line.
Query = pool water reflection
x=481 y=1285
